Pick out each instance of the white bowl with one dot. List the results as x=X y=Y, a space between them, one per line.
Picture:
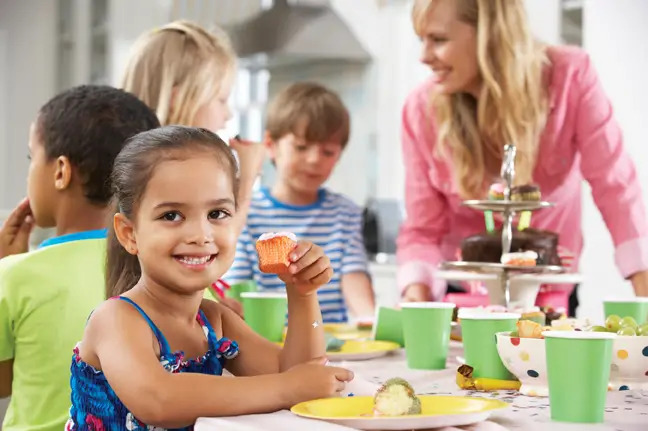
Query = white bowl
x=525 y=358
x=629 y=363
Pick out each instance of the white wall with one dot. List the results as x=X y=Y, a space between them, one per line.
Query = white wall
x=4 y=88
x=129 y=19
x=615 y=34
x=29 y=74
x=544 y=19
x=3 y=407
x=27 y=80
x=400 y=72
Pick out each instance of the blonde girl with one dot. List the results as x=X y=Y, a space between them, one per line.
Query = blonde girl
x=185 y=74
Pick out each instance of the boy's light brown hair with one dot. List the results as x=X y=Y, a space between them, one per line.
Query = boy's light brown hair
x=309 y=111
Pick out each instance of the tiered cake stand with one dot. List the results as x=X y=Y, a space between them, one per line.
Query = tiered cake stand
x=508 y=285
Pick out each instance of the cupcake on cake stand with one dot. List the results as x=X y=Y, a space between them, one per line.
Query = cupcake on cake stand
x=510 y=285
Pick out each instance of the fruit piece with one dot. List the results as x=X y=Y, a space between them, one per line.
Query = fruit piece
x=628 y=321
x=643 y=330
x=333 y=344
x=613 y=323
x=396 y=398
x=514 y=334
x=529 y=329
x=536 y=316
x=465 y=380
x=627 y=330
x=598 y=328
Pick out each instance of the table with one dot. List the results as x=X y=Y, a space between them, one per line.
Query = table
x=625 y=411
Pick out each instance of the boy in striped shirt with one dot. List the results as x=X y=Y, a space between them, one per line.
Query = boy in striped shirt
x=307 y=129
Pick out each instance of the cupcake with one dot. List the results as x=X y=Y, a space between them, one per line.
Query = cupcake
x=274 y=250
x=496 y=192
x=528 y=192
x=396 y=398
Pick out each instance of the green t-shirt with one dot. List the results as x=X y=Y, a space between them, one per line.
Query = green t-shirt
x=46 y=297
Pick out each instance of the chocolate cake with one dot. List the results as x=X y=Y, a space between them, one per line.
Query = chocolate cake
x=487 y=247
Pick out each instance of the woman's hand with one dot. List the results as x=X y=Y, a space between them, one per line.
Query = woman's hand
x=416 y=292
x=640 y=283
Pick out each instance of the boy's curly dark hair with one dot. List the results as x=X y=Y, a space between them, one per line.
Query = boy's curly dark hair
x=89 y=125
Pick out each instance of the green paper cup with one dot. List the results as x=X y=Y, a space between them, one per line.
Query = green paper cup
x=633 y=307
x=388 y=325
x=235 y=290
x=478 y=329
x=265 y=312
x=578 y=370
x=426 y=329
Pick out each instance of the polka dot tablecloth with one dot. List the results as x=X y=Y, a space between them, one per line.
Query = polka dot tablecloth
x=625 y=410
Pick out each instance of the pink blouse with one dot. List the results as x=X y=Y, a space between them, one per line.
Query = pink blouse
x=581 y=140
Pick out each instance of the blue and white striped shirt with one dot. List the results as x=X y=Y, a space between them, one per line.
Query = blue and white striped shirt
x=333 y=223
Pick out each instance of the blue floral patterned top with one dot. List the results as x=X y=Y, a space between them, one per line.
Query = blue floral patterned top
x=96 y=407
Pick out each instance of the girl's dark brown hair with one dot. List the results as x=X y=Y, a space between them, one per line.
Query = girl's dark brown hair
x=131 y=173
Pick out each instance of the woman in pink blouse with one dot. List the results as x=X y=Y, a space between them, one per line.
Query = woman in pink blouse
x=494 y=84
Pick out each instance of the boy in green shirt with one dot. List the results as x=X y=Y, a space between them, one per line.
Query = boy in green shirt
x=47 y=294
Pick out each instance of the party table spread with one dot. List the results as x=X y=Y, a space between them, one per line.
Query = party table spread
x=625 y=410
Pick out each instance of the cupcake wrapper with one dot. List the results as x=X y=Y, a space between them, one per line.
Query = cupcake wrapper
x=273 y=254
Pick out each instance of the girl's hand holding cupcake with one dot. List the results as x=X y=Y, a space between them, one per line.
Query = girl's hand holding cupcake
x=300 y=264
x=309 y=268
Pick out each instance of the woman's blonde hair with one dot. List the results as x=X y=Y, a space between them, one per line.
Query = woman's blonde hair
x=180 y=62
x=512 y=106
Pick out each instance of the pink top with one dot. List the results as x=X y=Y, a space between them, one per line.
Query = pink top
x=581 y=140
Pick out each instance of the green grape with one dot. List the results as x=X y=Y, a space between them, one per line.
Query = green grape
x=627 y=330
x=598 y=328
x=613 y=323
x=643 y=329
x=628 y=321
x=514 y=334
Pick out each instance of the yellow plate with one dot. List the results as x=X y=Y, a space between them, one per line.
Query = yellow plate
x=344 y=331
x=437 y=411
x=356 y=350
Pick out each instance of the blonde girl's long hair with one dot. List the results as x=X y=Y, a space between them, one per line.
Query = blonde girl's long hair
x=182 y=63
x=513 y=103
